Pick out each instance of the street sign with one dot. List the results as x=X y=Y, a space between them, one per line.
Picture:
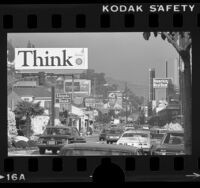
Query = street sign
x=63 y=95
x=62 y=100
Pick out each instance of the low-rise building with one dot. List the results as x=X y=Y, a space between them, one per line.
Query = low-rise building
x=30 y=94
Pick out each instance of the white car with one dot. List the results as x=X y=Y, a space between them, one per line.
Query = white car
x=137 y=138
x=129 y=128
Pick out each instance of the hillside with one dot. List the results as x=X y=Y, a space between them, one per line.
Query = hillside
x=139 y=90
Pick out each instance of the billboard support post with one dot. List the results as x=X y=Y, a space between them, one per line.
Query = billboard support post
x=72 y=87
x=52 y=105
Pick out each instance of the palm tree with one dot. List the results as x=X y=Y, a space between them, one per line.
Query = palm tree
x=182 y=42
x=25 y=111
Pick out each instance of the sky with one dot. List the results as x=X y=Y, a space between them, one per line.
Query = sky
x=123 y=56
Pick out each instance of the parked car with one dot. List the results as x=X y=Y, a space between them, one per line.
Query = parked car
x=171 y=144
x=137 y=138
x=54 y=137
x=156 y=138
x=97 y=149
x=103 y=133
x=113 y=135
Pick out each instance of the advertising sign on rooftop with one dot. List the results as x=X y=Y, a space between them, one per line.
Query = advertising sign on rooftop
x=161 y=82
x=94 y=102
x=81 y=86
x=51 y=58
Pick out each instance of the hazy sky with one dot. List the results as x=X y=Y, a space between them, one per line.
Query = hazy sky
x=123 y=56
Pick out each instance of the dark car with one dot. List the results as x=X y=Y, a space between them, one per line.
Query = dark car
x=103 y=133
x=113 y=135
x=97 y=149
x=55 y=137
x=156 y=138
x=171 y=144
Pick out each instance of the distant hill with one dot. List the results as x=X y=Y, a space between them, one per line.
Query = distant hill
x=139 y=90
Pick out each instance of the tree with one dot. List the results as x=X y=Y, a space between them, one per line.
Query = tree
x=10 y=52
x=97 y=81
x=63 y=117
x=25 y=111
x=12 y=129
x=30 y=45
x=182 y=42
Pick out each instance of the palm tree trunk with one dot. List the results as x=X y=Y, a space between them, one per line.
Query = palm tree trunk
x=187 y=103
x=28 y=127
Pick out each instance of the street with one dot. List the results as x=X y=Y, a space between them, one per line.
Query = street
x=35 y=152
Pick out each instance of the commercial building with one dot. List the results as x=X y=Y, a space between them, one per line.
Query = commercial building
x=28 y=91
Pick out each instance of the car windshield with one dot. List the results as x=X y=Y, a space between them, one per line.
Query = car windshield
x=156 y=136
x=129 y=129
x=58 y=131
x=174 y=139
x=105 y=131
x=142 y=135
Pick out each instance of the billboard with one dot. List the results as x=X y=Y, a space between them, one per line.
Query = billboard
x=51 y=58
x=114 y=100
x=94 y=102
x=81 y=86
x=161 y=82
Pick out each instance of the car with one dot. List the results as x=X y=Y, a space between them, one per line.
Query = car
x=156 y=138
x=54 y=137
x=97 y=149
x=146 y=127
x=129 y=128
x=158 y=130
x=137 y=138
x=113 y=135
x=157 y=135
x=171 y=144
x=103 y=133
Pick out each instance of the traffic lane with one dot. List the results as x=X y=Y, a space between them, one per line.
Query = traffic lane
x=35 y=152
x=92 y=138
x=95 y=139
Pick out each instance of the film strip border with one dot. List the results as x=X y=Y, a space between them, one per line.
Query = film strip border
x=90 y=17
x=86 y=18
x=32 y=21
x=86 y=168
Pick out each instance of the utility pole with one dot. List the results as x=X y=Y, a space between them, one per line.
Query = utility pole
x=52 y=105
x=72 y=87
x=167 y=89
x=94 y=89
x=126 y=101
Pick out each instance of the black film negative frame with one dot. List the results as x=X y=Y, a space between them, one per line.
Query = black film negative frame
x=90 y=18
